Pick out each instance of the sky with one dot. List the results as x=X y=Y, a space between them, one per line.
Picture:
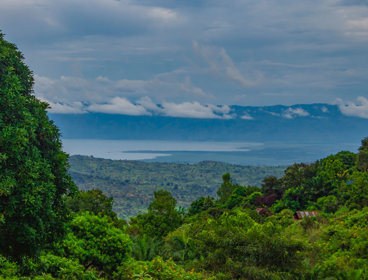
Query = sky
x=193 y=57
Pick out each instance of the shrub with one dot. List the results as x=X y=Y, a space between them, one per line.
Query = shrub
x=96 y=243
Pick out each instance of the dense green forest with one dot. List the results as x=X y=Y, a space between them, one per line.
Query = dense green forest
x=132 y=183
x=51 y=230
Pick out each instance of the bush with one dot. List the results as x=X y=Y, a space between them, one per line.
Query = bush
x=8 y=269
x=96 y=243
x=63 y=268
x=156 y=269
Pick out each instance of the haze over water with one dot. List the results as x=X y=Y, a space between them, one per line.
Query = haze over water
x=245 y=153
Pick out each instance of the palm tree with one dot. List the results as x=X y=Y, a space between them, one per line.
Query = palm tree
x=145 y=248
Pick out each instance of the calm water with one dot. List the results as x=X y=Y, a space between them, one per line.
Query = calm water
x=143 y=149
x=246 y=153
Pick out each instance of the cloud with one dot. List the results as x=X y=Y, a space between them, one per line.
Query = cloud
x=195 y=110
x=354 y=109
x=359 y=24
x=119 y=105
x=324 y=109
x=300 y=51
x=247 y=117
x=74 y=18
x=222 y=64
x=148 y=104
x=187 y=87
x=145 y=107
x=67 y=89
x=163 y=14
x=61 y=108
x=290 y=113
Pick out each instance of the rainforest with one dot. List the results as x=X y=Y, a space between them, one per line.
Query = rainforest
x=308 y=222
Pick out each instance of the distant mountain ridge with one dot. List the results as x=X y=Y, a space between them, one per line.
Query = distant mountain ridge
x=301 y=123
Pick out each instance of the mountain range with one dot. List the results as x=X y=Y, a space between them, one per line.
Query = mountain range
x=303 y=123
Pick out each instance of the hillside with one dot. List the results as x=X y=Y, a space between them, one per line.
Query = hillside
x=132 y=183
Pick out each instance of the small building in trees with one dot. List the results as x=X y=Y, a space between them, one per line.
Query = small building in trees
x=302 y=214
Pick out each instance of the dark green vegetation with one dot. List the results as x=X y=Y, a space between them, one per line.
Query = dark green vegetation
x=228 y=238
x=132 y=183
x=33 y=169
x=49 y=231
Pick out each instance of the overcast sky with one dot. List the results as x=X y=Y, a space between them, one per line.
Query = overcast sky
x=125 y=56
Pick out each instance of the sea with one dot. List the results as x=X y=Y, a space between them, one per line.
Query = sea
x=242 y=153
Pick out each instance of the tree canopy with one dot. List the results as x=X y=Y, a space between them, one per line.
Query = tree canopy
x=33 y=168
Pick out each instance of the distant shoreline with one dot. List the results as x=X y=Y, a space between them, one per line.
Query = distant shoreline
x=242 y=153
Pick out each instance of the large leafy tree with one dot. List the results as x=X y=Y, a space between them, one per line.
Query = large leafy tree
x=363 y=155
x=97 y=243
x=94 y=201
x=162 y=217
x=33 y=168
x=226 y=188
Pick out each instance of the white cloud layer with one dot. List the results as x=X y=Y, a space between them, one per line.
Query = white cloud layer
x=354 y=109
x=146 y=107
x=61 y=108
x=247 y=117
x=291 y=113
x=196 y=110
x=119 y=105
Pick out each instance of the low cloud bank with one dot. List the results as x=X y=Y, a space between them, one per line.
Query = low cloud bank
x=354 y=109
x=119 y=105
x=290 y=113
x=146 y=107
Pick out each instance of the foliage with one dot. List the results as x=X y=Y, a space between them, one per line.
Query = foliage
x=132 y=183
x=234 y=243
x=354 y=191
x=64 y=268
x=162 y=217
x=296 y=174
x=200 y=205
x=179 y=245
x=33 y=168
x=145 y=248
x=328 y=204
x=8 y=269
x=242 y=194
x=156 y=269
x=96 y=243
x=272 y=185
x=226 y=188
x=94 y=201
x=362 y=160
x=342 y=246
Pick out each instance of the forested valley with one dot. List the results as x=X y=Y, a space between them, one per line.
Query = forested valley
x=309 y=223
x=132 y=183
